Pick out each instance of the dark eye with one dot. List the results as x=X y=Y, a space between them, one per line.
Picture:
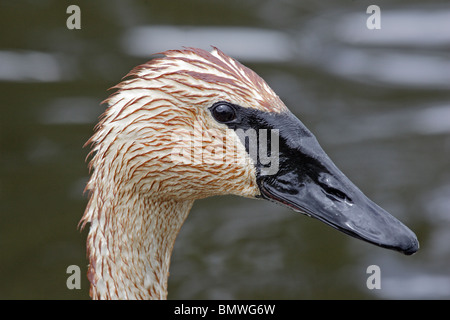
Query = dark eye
x=223 y=112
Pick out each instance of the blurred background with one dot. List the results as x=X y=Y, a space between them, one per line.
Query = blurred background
x=377 y=100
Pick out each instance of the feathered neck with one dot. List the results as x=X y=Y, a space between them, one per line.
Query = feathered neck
x=130 y=246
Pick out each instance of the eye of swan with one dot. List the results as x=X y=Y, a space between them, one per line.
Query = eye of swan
x=223 y=112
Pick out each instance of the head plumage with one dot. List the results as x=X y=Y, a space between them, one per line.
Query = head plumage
x=192 y=70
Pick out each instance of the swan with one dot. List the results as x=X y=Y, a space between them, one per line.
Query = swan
x=175 y=131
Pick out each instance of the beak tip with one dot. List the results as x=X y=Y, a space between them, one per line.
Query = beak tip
x=412 y=248
x=407 y=242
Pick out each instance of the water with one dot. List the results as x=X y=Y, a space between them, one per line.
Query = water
x=378 y=101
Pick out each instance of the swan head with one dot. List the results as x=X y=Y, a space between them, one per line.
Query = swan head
x=163 y=126
x=194 y=124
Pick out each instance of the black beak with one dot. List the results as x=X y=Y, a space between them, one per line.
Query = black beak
x=307 y=181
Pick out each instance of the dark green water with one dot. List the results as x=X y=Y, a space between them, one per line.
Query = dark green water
x=377 y=100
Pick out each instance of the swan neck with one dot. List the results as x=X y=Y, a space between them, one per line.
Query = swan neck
x=130 y=244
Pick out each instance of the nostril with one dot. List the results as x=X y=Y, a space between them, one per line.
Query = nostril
x=335 y=194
